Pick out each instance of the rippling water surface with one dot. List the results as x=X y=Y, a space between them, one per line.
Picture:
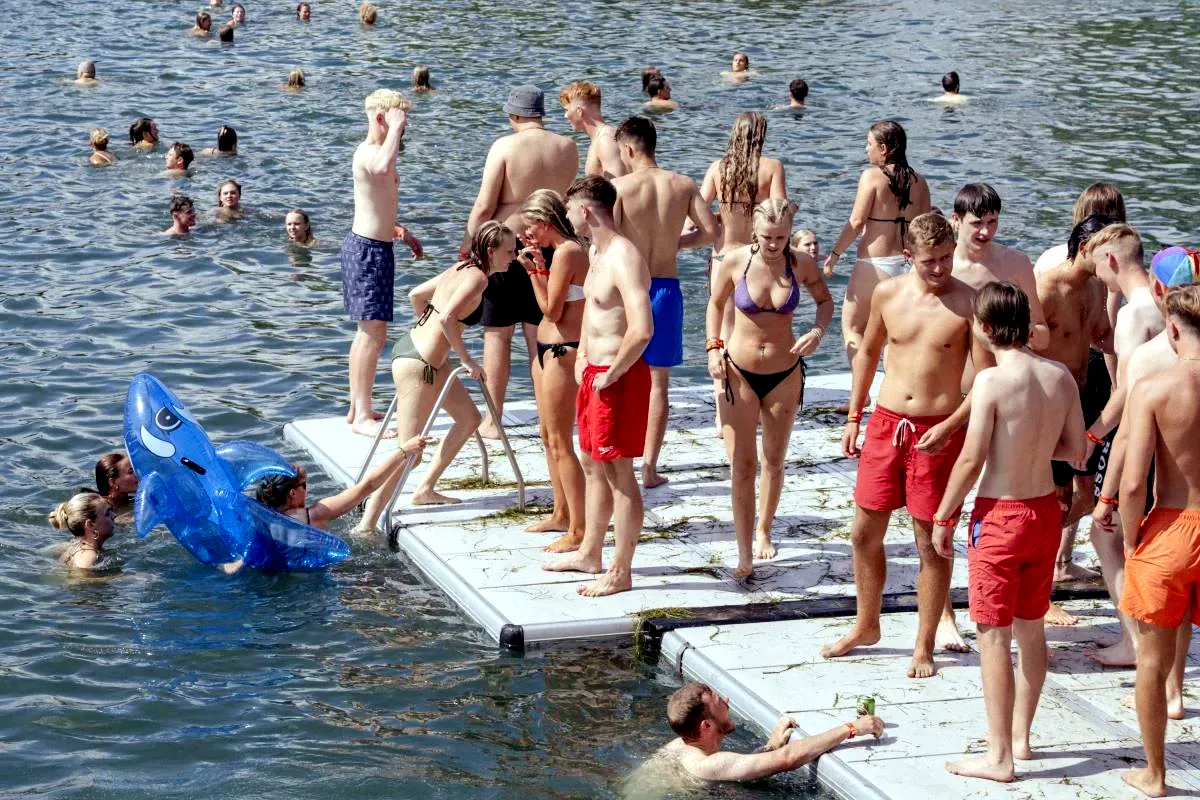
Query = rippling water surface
x=160 y=678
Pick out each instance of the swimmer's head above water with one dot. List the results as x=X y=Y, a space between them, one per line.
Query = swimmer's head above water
x=226 y=140
x=238 y=14
x=86 y=70
x=143 y=131
x=86 y=515
x=698 y=714
x=229 y=194
x=298 y=227
x=115 y=479
x=99 y=138
x=179 y=157
x=203 y=21
x=806 y=242
x=798 y=92
x=183 y=214
x=295 y=79
x=658 y=88
x=284 y=492
x=226 y=33
x=420 y=79
x=950 y=82
x=740 y=63
x=647 y=74
x=367 y=14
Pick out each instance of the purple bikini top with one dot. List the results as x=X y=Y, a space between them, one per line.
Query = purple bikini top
x=745 y=303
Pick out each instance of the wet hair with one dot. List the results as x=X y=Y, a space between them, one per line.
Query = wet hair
x=798 y=89
x=421 y=78
x=1099 y=198
x=486 y=239
x=87 y=69
x=228 y=182
x=799 y=236
x=1183 y=304
x=739 y=165
x=655 y=85
x=81 y=508
x=889 y=135
x=235 y=7
x=296 y=79
x=927 y=231
x=367 y=14
x=1004 y=308
x=203 y=17
x=583 y=91
x=647 y=74
x=1084 y=231
x=99 y=138
x=184 y=152
x=303 y=215
x=180 y=203
x=274 y=489
x=226 y=33
x=226 y=139
x=300 y=6
x=1114 y=234
x=687 y=708
x=108 y=469
x=950 y=82
x=640 y=133
x=978 y=199
x=594 y=189
x=774 y=210
x=737 y=53
x=546 y=205
x=140 y=128
x=381 y=100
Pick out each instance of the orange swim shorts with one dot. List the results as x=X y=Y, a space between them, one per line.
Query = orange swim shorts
x=1162 y=577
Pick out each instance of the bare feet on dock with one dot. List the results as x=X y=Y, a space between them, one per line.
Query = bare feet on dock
x=550 y=524
x=1141 y=780
x=921 y=666
x=1057 y=616
x=1072 y=573
x=651 y=479
x=575 y=563
x=1174 y=705
x=370 y=427
x=855 y=638
x=743 y=571
x=1120 y=654
x=1021 y=750
x=428 y=497
x=488 y=429
x=607 y=584
x=764 y=550
x=980 y=767
x=567 y=543
x=948 y=639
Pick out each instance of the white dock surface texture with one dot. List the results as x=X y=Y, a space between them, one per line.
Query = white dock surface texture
x=479 y=553
x=1082 y=735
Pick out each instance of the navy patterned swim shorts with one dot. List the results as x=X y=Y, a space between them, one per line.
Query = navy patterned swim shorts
x=368 y=275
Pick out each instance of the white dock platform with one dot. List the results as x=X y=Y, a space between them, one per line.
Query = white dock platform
x=480 y=555
x=1081 y=736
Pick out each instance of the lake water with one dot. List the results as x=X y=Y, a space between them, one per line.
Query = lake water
x=160 y=678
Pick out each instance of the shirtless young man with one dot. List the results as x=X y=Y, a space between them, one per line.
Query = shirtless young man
x=614 y=388
x=177 y=160
x=85 y=75
x=183 y=216
x=701 y=719
x=1024 y=412
x=581 y=108
x=517 y=165
x=652 y=206
x=924 y=316
x=368 y=263
x=1079 y=334
x=1163 y=550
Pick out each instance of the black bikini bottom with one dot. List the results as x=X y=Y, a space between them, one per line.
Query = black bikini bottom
x=762 y=383
x=557 y=350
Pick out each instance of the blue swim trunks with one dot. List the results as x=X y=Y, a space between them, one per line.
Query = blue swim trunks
x=368 y=276
x=666 y=305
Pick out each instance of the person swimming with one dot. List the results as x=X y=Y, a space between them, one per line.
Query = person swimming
x=805 y=241
x=183 y=216
x=229 y=201
x=739 y=68
x=143 y=134
x=89 y=518
x=100 y=156
x=295 y=81
x=115 y=479
x=367 y=14
x=85 y=74
x=203 y=26
x=238 y=17
x=304 y=12
x=950 y=87
x=420 y=81
x=178 y=158
x=299 y=231
x=797 y=93
x=660 y=94
x=227 y=142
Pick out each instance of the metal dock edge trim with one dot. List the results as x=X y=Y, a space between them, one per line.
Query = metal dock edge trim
x=833 y=773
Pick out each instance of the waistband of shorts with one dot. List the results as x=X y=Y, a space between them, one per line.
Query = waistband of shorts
x=920 y=422
x=661 y=282
x=1047 y=502
x=1168 y=516
x=357 y=238
x=595 y=369
x=880 y=261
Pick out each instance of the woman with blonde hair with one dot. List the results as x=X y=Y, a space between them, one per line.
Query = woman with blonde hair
x=421 y=79
x=100 y=157
x=89 y=517
x=761 y=366
x=558 y=288
x=295 y=81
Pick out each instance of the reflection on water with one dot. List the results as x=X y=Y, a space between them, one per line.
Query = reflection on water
x=164 y=679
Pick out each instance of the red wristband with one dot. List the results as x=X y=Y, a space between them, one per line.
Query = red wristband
x=853 y=730
x=1094 y=439
x=945 y=523
x=854 y=417
x=1108 y=501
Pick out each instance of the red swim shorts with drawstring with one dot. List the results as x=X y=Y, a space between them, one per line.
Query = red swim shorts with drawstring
x=1011 y=549
x=612 y=421
x=893 y=473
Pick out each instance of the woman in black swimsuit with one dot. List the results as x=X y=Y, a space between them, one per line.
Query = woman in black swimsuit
x=558 y=287
x=762 y=364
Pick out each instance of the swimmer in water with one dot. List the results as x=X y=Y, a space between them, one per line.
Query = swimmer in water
x=367 y=14
x=183 y=216
x=299 y=230
x=89 y=518
x=295 y=81
x=739 y=68
x=85 y=75
x=700 y=717
x=229 y=201
x=100 y=155
x=178 y=158
x=226 y=33
x=806 y=242
x=289 y=496
x=421 y=79
x=797 y=93
x=950 y=95
x=226 y=143
x=647 y=74
x=203 y=26
x=143 y=134
x=215 y=3
x=660 y=94
x=115 y=479
x=239 y=15
x=304 y=12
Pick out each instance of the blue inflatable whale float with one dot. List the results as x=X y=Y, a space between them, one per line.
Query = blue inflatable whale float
x=196 y=490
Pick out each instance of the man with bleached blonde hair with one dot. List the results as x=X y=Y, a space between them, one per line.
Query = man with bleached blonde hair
x=581 y=108
x=368 y=263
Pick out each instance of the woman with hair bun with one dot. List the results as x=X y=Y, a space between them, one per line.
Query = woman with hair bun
x=89 y=518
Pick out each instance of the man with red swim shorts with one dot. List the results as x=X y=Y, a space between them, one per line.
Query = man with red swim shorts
x=1025 y=412
x=1162 y=553
x=613 y=403
x=924 y=316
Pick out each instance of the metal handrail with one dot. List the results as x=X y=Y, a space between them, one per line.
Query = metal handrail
x=387 y=417
x=437 y=407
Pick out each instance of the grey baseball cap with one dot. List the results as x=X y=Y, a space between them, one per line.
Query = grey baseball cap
x=526 y=101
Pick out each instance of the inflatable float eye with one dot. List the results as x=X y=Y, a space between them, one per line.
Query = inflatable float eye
x=166 y=420
x=185 y=415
